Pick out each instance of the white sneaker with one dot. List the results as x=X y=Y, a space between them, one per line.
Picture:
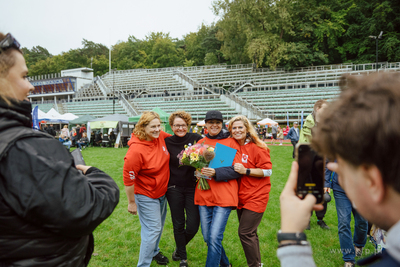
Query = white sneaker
x=280 y=144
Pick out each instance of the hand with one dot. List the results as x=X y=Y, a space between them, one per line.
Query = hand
x=333 y=166
x=239 y=168
x=132 y=208
x=327 y=189
x=83 y=168
x=208 y=171
x=295 y=212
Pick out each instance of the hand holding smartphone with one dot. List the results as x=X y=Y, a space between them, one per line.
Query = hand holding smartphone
x=310 y=178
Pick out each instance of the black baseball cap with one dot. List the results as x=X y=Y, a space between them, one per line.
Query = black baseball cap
x=214 y=115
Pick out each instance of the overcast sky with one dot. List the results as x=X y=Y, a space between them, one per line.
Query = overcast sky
x=60 y=25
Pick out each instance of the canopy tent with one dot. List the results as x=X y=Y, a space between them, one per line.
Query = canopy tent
x=54 y=117
x=163 y=116
x=267 y=121
x=201 y=123
x=118 y=121
x=82 y=119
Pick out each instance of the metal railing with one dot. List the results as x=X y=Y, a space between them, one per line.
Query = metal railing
x=105 y=90
x=128 y=106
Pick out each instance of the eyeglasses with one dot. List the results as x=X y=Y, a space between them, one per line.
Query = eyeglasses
x=180 y=126
x=9 y=42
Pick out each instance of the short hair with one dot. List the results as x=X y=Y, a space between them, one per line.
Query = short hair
x=180 y=114
x=7 y=61
x=252 y=135
x=319 y=103
x=362 y=126
x=145 y=119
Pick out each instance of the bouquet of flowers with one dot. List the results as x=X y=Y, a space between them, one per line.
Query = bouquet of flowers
x=197 y=156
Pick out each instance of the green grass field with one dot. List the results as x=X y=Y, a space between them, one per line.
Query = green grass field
x=117 y=240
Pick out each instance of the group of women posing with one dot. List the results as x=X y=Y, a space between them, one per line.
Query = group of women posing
x=152 y=176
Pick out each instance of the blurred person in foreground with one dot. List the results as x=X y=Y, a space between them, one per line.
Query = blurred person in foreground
x=306 y=134
x=367 y=166
x=48 y=209
x=254 y=186
x=181 y=186
x=216 y=204
x=146 y=175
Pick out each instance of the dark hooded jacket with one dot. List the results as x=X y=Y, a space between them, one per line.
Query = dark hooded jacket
x=48 y=210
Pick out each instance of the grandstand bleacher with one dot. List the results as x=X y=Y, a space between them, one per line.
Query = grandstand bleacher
x=232 y=89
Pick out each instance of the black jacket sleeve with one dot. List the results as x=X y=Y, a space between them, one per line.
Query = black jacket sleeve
x=226 y=173
x=41 y=185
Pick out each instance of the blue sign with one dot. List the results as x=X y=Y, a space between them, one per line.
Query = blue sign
x=35 y=118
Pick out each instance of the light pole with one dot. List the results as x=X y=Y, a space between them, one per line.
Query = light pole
x=377 y=38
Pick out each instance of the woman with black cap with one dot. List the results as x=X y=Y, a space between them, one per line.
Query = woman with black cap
x=216 y=204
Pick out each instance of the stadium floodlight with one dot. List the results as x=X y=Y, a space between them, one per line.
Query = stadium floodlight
x=377 y=38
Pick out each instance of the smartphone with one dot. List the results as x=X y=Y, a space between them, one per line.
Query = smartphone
x=310 y=177
x=78 y=158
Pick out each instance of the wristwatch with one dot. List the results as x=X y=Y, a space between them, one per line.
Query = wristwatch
x=248 y=172
x=296 y=237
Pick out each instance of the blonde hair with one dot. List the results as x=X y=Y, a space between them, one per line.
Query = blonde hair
x=180 y=114
x=145 y=119
x=7 y=61
x=251 y=133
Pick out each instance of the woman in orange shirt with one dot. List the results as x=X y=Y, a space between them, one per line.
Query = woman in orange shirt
x=216 y=204
x=254 y=186
x=146 y=175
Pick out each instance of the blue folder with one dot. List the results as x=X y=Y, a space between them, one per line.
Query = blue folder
x=224 y=156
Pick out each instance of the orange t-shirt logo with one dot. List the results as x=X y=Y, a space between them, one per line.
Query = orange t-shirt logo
x=244 y=158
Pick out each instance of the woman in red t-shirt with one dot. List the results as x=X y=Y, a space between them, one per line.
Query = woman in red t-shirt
x=146 y=175
x=254 y=186
x=216 y=204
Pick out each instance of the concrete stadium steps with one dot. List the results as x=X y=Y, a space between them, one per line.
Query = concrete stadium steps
x=99 y=108
x=196 y=107
x=154 y=81
x=278 y=102
x=89 y=91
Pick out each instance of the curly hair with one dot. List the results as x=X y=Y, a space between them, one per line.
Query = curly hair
x=251 y=133
x=7 y=61
x=145 y=119
x=180 y=114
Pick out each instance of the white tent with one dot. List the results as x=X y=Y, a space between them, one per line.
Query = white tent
x=267 y=121
x=41 y=114
x=68 y=116
x=55 y=117
x=201 y=123
x=53 y=114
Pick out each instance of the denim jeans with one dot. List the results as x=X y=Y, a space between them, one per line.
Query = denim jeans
x=152 y=213
x=67 y=144
x=181 y=201
x=344 y=210
x=213 y=222
x=294 y=143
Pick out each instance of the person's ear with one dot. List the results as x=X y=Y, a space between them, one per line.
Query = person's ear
x=375 y=184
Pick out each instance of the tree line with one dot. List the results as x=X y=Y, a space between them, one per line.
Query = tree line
x=269 y=33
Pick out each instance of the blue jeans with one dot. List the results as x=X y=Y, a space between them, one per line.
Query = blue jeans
x=344 y=210
x=67 y=144
x=213 y=222
x=152 y=213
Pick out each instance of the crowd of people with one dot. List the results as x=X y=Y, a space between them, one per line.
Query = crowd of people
x=49 y=206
